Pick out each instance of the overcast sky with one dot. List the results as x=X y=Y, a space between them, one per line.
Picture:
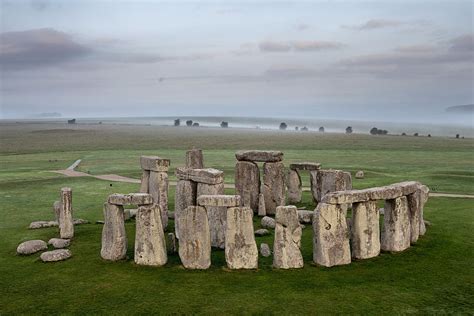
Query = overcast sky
x=377 y=59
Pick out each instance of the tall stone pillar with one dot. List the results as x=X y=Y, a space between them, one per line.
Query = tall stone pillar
x=217 y=215
x=247 y=183
x=185 y=195
x=330 y=181
x=240 y=247
x=274 y=189
x=194 y=159
x=286 y=248
x=365 y=230
x=295 y=189
x=66 y=222
x=114 y=237
x=150 y=244
x=396 y=227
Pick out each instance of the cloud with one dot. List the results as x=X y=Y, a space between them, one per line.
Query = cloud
x=38 y=47
x=302 y=27
x=464 y=43
x=274 y=46
x=298 y=46
x=376 y=24
x=416 y=49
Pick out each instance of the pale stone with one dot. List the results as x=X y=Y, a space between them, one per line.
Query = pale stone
x=154 y=163
x=59 y=243
x=194 y=159
x=158 y=189
x=331 y=236
x=208 y=175
x=265 y=250
x=313 y=175
x=268 y=222
x=57 y=210
x=273 y=186
x=331 y=181
x=141 y=199
x=217 y=214
x=114 y=237
x=66 y=224
x=305 y=217
x=150 y=244
x=219 y=200
x=259 y=155
x=171 y=243
x=56 y=255
x=365 y=230
x=80 y=221
x=43 y=224
x=309 y=166
x=31 y=246
x=286 y=248
x=261 y=205
x=144 y=181
x=295 y=189
x=195 y=238
x=262 y=232
x=396 y=227
x=247 y=183
x=360 y=174
x=119 y=199
x=414 y=211
x=185 y=196
x=424 y=195
x=240 y=247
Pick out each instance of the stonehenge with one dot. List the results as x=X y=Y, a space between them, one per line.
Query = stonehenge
x=294 y=184
x=240 y=247
x=286 y=248
x=150 y=244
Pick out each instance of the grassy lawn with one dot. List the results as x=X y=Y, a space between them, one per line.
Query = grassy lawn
x=434 y=276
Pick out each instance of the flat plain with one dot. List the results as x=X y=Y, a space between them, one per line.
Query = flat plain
x=434 y=276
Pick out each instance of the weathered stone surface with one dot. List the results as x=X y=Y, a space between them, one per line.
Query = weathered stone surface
x=331 y=236
x=286 y=248
x=141 y=198
x=247 y=183
x=59 y=243
x=80 y=221
x=262 y=232
x=133 y=212
x=154 y=163
x=195 y=238
x=208 y=175
x=310 y=166
x=414 y=211
x=158 y=189
x=261 y=205
x=57 y=210
x=273 y=186
x=219 y=200
x=396 y=227
x=331 y=181
x=240 y=247
x=268 y=222
x=31 y=246
x=43 y=224
x=360 y=174
x=313 y=175
x=119 y=199
x=217 y=214
x=56 y=255
x=171 y=246
x=305 y=217
x=295 y=189
x=185 y=196
x=144 y=181
x=265 y=250
x=259 y=155
x=114 y=237
x=194 y=159
x=66 y=224
x=150 y=244
x=388 y=192
x=365 y=230
x=424 y=195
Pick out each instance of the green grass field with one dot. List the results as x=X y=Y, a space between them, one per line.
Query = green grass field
x=434 y=276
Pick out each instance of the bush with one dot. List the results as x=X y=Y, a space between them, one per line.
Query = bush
x=189 y=123
x=177 y=122
x=349 y=130
x=283 y=126
x=224 y=124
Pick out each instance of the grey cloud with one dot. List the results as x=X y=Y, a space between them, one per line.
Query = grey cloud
x=464 y=43
x=302 y=27
x=299 y=46
x=274 y=46
x=376 y=24
x=416 y=49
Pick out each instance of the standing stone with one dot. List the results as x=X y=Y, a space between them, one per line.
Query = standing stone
x=158 y=189
x=195 y=238
x=330 y=181
x=194 y=159
x=217 y=214
x=185 y=196
x=247 y=183
x=365 y=230
x=145 y=181
x=414 y=209
x=114 y=237
x=294 y=187
x=57 y=210
x=313 y=175
x=240 y=247
x=150 y=245
x=273 y=186
x=66 y=224
x=424 y=195
x=261 y=205
x=396 y=228
x=286 y=248
x=331 y=236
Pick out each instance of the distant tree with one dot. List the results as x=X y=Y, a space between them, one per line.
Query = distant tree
x=304 y=129
x=297 y=128
x=404 y=134
x=416 y=134
x=196 y=124
x=374 y=131
x=177 y=122
x=73 y=121
x=321 y=129
x=224 y=124
x=189 y=123
x=382 y=132
x=429 y=135
x=349 y=130
x=283 y=126
x=457 y=136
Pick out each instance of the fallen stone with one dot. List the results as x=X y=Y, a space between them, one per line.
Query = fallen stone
x=365 y=231
x=219 y=200
x=185 y=196
x=262 y=232
x=247 y=183
x=56 y=255
x=114 y=237
x=360 y=174
x=265 y=250
x=195 y=238
x=286 y=248
x=268 y=222
x=144 y=181
x=396 y=227
x=261 y=205
x=208 y=176
x=217 y=215
x=140 y=198
x=171 y=246
x=154 y=163
x=309 y=166
x=150 y=244
x=273 y=186
x=59 y=243
x=119 y=199
x=305 y=217
x=66 y=223
x=158 y=189
x=194 y=159
x=259 y=155
x=240 y=247
x=100 y=222
x=43 y=224
x=31 y=246
x=295 y=189
x=427 y=223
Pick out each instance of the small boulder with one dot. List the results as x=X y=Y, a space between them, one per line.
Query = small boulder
x=265 y=250
x=31 y=246
x=100 y=222
x=360 y=174
x=59 y=243
x=305 y=217
x=80 y=221
x=56 y=255
x=268 y=222
x=262 y=232
x=427 y=223
x=43 y=224
x=381 y=211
